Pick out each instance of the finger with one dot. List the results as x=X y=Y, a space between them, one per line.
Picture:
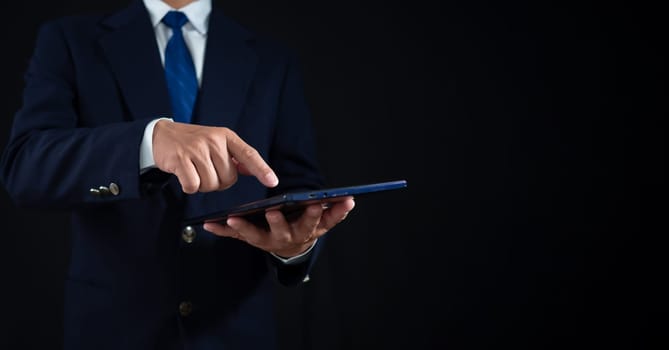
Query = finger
x=335 y=214
x=209 y=180
x=221 y=230
x=249 y=232
x=225 y=170
x=305 y=226
x=251 y=160
x=280 y=230
x=188 y=177
x=292 y=239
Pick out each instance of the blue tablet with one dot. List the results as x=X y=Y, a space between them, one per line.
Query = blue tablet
x=293 y=203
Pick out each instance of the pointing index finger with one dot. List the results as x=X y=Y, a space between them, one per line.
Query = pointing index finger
x=251 y=160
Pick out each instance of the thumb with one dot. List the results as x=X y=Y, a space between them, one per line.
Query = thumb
x=240 y=167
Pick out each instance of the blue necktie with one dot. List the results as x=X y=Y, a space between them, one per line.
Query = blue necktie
x=179 y=69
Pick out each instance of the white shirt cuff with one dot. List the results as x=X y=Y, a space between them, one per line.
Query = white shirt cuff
x=146 y=160
x=297 y=258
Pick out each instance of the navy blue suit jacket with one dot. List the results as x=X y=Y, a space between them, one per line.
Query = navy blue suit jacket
x=92 y=86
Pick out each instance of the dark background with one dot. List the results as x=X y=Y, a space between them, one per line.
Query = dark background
x=530 y=136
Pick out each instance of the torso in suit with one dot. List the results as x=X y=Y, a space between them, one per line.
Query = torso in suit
x=138 y=279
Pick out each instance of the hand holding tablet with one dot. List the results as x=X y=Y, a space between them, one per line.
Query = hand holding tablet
x=292 y=204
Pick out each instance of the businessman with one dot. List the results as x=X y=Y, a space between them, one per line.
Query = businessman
x=136 y=120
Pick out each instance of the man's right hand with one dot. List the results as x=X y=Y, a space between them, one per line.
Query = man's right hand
x=206 y=158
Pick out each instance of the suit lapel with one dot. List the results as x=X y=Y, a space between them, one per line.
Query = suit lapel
x=229 y=65
x=132 y=52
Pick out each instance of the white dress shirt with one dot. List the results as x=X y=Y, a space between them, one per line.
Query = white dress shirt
x=195 y=35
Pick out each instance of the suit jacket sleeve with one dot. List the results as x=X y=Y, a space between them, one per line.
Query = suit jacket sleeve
x=52 y=162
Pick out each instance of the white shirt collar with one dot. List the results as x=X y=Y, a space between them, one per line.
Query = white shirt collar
x=197 y=12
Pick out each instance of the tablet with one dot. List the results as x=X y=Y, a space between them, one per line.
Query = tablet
x=293 y=203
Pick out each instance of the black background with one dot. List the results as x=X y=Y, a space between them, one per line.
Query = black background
x=530 y=136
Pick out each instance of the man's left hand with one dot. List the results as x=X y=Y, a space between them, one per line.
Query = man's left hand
x=285 y=239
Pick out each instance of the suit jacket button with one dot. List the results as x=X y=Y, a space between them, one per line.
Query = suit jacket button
x=188 y=234
x=114 y=189
x=94 y=191
x=185 y=308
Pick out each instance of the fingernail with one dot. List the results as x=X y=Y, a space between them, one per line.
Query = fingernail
x=315 y=211
x=271 y=178
x=273 y=217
